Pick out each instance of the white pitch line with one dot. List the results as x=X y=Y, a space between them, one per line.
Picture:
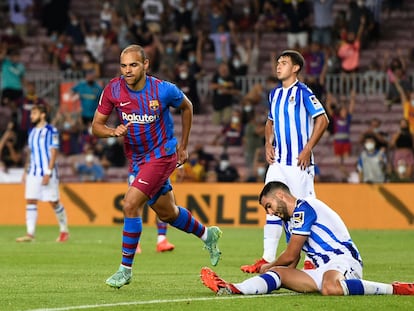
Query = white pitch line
x=149 y=302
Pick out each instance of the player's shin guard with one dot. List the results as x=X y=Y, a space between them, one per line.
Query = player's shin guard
x=130 y=239
x=272 y=232
x=161 y=230
x=362 y=287
x=261 y=284
x=61 y=217
x=187 y=223
x=31 y=218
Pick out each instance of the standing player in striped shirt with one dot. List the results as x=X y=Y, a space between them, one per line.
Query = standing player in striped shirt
x=40 y=176
x=296 y=121
x=313 y=227
x=143 y=106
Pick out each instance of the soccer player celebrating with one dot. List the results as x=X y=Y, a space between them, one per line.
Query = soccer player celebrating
x=313 y=227
x=142 y=103
x=40 y=174
x=296 y=121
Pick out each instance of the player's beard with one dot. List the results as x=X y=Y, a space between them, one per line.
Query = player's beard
x=135 y=80
x=282 y=210
x=36 y=121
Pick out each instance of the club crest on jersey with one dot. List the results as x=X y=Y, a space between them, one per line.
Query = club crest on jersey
x=316 y=103
x=298 y=219
x=292 y=100
x=154 y=104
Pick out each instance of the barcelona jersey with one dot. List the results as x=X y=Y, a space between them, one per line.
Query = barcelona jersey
x=151 y=132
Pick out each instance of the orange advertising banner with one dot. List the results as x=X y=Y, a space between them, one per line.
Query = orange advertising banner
x=385 y=206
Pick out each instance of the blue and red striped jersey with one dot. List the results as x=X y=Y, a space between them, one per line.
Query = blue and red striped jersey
x=151 y=133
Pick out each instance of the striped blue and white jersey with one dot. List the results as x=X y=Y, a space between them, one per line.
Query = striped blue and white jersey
x=292 y=111
x=328 y=237
x=41 y=141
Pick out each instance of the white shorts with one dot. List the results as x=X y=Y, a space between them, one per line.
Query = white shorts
x=300 y=182
x=347 y=266
x=36 y=191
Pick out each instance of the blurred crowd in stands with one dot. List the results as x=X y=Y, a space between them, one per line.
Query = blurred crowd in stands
x=178 y=36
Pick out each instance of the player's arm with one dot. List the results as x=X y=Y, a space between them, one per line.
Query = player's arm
x=186 y=108
x=51 y=165
x=269 y=139
x=291 y=255
x=320 y=125
x=101 y=130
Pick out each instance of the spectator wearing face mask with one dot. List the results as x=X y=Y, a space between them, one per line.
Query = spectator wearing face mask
x=253 y=139
x=402 y=144
x=187 y=82
x=401 y=174
x=232 y=133
x=371 y=165
x=225 y=171
x=89 y=169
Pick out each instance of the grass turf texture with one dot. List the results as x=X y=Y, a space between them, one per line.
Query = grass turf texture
x=46 y=275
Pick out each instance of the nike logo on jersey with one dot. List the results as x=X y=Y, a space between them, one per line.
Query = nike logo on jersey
x=124 y=104
x=142 y=181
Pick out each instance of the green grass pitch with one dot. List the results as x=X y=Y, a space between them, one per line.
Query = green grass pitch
x=45 y=275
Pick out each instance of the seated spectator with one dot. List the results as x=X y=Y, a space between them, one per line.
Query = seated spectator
x=89 y=64
x=224 y=88
x=112 y=153
x=232 y=133
x=69 y=125
x=253 y=139
x=88 y=168
x=374 y=129
x=10 y=154
x=192 y=170
x=205 y=158
x=258 y=94
x=372 y=162
x=225 y=171
x=402 y=144
x=401 y=173
x=186 y=80
x=260 y=166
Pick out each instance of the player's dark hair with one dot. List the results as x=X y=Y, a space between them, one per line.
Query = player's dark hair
x=295 y=56
x=272 y=186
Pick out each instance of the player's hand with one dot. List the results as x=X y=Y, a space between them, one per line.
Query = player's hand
x=45 y=180
x=270 y=153
x=304 y=158
x=122 y=129
x=182 y=156
x=265 y=267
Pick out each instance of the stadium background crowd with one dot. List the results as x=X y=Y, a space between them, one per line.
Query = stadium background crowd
x=359 y=62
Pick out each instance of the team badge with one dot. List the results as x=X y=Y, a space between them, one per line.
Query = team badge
x=298 y=219
x=291 y=99
x=154 y=104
